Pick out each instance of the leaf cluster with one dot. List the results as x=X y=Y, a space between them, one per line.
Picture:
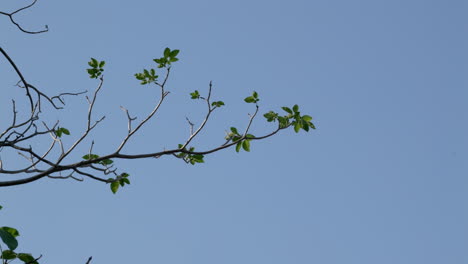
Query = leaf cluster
x=253 y=99
x=8 y=236
x=61 y=131
x=190 y=158
x=195 y=95
x=97 y=67
x=105 y=162
x=292 y=118
x=169 y=57
x=120 y=181
x=242 y=142
x=150 y=76
x=147 y=76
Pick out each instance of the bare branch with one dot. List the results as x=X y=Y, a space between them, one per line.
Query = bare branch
x=10 y=15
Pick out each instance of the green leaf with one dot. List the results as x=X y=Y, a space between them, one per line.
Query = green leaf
x=11 y=230
x=167 y=53
x=26 y=258
x=305 y=126
x=8 y=254
x=94 y=62
x=114 y=186
x=60 y=131
x=124 y=174
x=217 y=103
x=311 y=125
x=283 y=121
x=238 y=146
x=106 y=162
x=126 y=180
x=139 y=76
x=174 y=53
x=250 y=99
x=246 y=145
x=306 y=118
x=297 y=126
x=90 y=156
x=1 y=207
x=255 y=95
x=271 y=116
x=8 y=239
x=197 y=158
x=248 y=136
x=287 y=109
x=195 y=95
x=234 y=130
x=296 y=108
x=65 y=131
x=101 y=64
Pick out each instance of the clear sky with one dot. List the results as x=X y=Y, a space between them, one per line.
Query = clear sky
x=383 y=180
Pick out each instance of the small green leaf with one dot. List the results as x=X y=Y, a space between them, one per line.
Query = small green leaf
x=174 y=53
x=234 y=130
x=8 y=254
x=250 y=99
x=238 y=146
x=114 y=186
x=249 y=136
x=26 y=258
x=255 y=95
x=167 y=53
x=90 y=156
x=8 y=239
x=246 y=145
x=217 y=103
x=297 y=126
x=283 y=121
x=65 y=131
x=195 y=95
x=306 y=118
x=271 y=116
x=197 y=158
x=126 y=180
x=106 y=162
x=60 y=131
x=287 y=109
x=296 y=108
x=11 y=230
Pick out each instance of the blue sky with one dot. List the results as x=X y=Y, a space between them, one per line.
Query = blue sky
x=382 y=180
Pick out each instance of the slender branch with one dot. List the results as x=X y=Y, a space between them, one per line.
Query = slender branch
x=150 y=115
x=10 y=15
x=26 y=86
